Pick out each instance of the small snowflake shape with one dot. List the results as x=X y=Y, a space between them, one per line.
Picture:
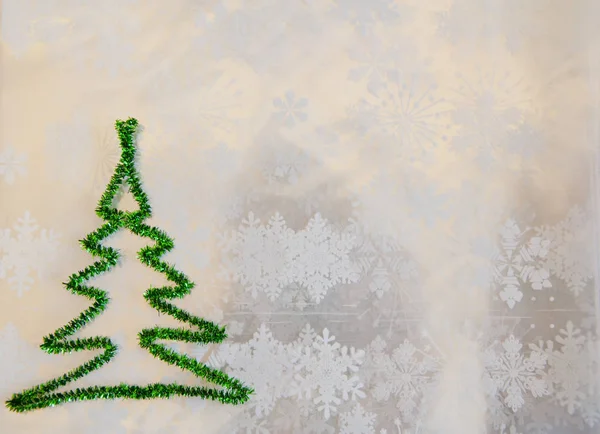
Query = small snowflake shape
x=402 y=374
x=489 y=111
x=258 y=255
x=321 y=257
x=269 y=258
x=290 y=109
x=514 y=374
x=358 y=421
x=406 y=111
x=568 y=367
x=570 y=250
x=518 y=263
x=326 y=369
x=383 y=260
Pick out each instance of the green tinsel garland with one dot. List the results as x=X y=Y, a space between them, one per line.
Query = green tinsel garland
x=45 y=395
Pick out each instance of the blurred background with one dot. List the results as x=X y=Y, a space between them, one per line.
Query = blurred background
x=391 y=204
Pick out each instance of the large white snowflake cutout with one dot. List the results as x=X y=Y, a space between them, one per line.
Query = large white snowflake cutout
x=519 y=263
x=570 y=253
x=269 y=258
x=514 y=374
x=570 y=368
x=489 y=117
x=326 y=373
x=358 y=421
x=320 y=257
x=24 y=249
x=263 y=362
x=406 y=113
x=385 y=264
x=258 y=255
x=405 y=374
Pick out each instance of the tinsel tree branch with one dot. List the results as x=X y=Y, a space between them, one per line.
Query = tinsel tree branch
x=229 y=390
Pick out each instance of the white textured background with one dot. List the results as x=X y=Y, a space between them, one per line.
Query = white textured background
x=392 y=205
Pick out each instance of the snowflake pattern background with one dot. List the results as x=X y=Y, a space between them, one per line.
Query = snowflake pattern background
x=392 y=205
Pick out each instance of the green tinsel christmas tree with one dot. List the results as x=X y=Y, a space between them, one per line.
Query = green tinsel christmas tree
x=230 y=390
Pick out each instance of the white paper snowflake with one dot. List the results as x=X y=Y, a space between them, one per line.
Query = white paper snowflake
x=515 y=374
x=570 y=368
x=290 y=110
x=487 y=113
x=326 y=373
x=570 y=253
x=519 y=263
x=263 y=362
x=320 y=257
x=405 y=374
x=405 y=114
x=384 y=264
x=269 y=258
x=358 y=421
x=259 y=256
